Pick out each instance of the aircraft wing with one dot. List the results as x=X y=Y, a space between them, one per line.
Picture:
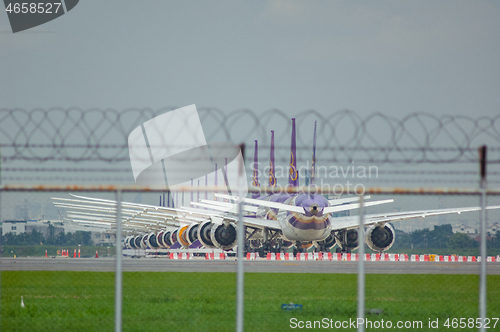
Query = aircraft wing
x=381 y=218
x=134 y=216
x=339 y=204
x=256 y=222
x=345 y=207
x=339 y=201
x=146 y=217
x=259 y=202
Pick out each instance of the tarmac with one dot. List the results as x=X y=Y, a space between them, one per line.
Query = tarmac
x=229 y=265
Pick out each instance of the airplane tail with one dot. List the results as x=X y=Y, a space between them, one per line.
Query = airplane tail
x=272 y=178
x=293 y=179
x=313 y=164
x=255 y=182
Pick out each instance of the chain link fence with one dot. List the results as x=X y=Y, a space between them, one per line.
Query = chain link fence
x=61 y=255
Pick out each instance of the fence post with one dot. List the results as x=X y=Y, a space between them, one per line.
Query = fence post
x=118 y=272
x=240 y=276
x=482 y=280
x=361 y=265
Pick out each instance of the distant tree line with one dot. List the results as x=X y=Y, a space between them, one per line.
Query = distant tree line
x=37 y=238
x=441 y=237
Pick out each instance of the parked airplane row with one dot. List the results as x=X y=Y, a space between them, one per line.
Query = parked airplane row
x=279 y=221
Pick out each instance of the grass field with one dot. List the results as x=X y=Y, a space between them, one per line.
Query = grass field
x=175 y=301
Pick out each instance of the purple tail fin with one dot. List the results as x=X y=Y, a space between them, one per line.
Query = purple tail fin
x=313 y=164
x=293 y=178
x=272 y=178
x=255 y=182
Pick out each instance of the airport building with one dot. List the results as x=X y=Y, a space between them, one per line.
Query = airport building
x=99 y=235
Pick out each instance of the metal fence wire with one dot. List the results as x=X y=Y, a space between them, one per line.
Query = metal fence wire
x=426 y=162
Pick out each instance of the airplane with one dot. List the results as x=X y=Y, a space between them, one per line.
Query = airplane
x=301 y=220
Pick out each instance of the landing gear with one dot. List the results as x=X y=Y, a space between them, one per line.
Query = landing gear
x=298 y=248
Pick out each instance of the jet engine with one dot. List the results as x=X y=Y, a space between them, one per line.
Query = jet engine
x=166 y=239
x=126 y=242
x=327 y=243
x=135 y=242
x=204 y=234
x=173 y=236
x=159 y=239
x=347 y=240
x=380 y=238
x=152 y=242
x=182 y=236
x=223 y=236
x=144 y=241
x=192 y=233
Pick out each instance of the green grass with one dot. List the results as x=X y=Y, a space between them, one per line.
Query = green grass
x=175 y=301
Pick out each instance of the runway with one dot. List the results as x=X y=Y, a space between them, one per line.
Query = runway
x=229 y=265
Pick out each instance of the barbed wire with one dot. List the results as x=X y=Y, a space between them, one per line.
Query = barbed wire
x=78 y=135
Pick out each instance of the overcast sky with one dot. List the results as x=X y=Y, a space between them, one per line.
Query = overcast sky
x=395 y=57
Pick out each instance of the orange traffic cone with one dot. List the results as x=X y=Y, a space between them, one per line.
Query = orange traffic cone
x=96 y=254
x=45 y=253
x=74 y=254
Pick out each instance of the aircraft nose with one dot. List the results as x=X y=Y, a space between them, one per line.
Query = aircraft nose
x=314 y=209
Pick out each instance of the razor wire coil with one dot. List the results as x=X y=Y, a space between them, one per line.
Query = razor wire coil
x=78 y=135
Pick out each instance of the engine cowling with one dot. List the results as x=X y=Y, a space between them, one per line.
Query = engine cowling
x=351 y=238
x=380 y=238
x=136 y=242
x=126 y=243
x=204 y=234
x=144 y=241
x=182 y=236
x=159 y=239
x=223 y=236
x=166 y=239
x=192 y=233
x=152 y=241
x=173 y=236
x=328 y=243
